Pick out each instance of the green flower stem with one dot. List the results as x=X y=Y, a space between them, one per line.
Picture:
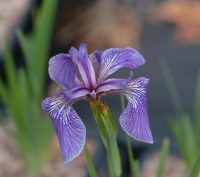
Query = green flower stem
x=89 y=163
x=108 y=130
x=133 y=164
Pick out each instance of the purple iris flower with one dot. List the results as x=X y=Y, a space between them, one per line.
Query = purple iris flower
x=84 y=76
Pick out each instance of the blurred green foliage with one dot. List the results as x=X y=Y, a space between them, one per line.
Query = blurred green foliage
x=163 y=158
x=186 y=130
x=25 y=87
x=133 y=163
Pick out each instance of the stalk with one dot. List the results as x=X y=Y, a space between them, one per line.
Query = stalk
x=108 y=131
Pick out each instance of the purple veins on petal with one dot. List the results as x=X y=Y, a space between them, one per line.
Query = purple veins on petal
x=115 y=58
x=134 y=120
x=95 y=58
x=84 y=76
x=63 y=71
x=111 y=84
x=98 y=55
x=86 y=70
x=114 y=84
x=69 y=127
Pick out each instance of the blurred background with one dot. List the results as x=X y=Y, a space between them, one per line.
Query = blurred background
x=166 y=32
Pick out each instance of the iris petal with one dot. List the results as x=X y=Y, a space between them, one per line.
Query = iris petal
x=85 y=67
x=115 y=58
x=95 y=58
x=76 y=93
x=83 y=49
x=69 y=128
x=63 y=71
x=113 y=84
x=134 y=120
x=110 y=84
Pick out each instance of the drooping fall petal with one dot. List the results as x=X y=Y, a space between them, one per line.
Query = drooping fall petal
x=69 y=128
x=134 y=120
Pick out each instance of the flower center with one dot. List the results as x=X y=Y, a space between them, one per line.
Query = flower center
x=93 y=95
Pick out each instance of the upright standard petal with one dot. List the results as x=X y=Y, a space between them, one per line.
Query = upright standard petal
x=63 y=71
x=86 y=70
x=70 y=129
x=95 y=58
x=134 y=120
x=116 y=58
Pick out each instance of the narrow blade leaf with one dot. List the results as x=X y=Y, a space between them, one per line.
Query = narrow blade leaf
x=163 y=157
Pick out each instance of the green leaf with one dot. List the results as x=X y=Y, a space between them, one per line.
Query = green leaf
x=184 y=134
x=35 y=47
x=175 y=128
x=43 y=30
x=3 y=94
x=10 y=92
x=163 y=157
x=134 y=167
x=113 y=148
x=33 y=130
x=89 y=163
x=10 y=71
x=197 y=109
x=26 y=44
x=30 y=56
x=33 y=140
x=195 y=172
x=170 y=83
x=189 y=142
